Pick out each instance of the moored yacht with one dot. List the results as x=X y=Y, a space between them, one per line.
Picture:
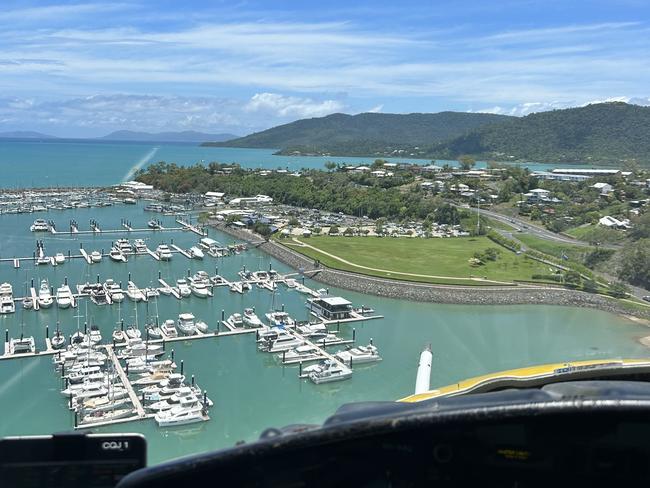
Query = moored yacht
x=169 y=328
x=64 y=296
x=45 y=295
x=184 y=289
x=117 y=255
x=196 y=252
x=96 y=256
x=181 y=416
x=163 y=252
x=22 y=346
x=186 y=325
x=59 y=258
x=280 y=319
x=250 y=319
x=7 y=304
x=329 y=371
x=359 y=355
x=113 y=290
x=140 y=246
x=40 y=225
x=235 y=321
x=199 y=286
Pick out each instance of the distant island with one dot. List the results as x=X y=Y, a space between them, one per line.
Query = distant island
x=185 y=136
x=597 y=133
x=25 y=134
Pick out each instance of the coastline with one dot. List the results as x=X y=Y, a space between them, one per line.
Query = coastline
x=423 y=292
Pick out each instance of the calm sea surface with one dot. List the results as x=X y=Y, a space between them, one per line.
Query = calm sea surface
x=250 y=389
x=86 y=163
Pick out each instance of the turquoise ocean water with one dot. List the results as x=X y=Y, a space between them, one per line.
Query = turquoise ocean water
x=88 y=163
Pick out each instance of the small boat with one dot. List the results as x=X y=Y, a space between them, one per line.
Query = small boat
x=111 y=403
x=96 y=256
x=140 y=246
x=154 y=332
x=129 y=201
x=201 y=326
x=64 y=297
x=166 y=290
x=132 y=332
x=251 y=319
x=186 y=325
x=45 y=299
x=117 y=256
x=180 y=416
x=28 y=303
x=278 y=342
x=78 y=337
x=39 y=225
x=133 y=292
x=164 y=253
x=119 y=336
x=306 y=352
x=98 y=295
x=196 y=252
x=59 y=258
x=184 y=289
x=151 y=292
x=199 y=284
x=313 y=331
x=58 y=341
x=153 y=224
x=7 y=304
x=169 y=328
x=95 y=334
x=22 y=346
x=359 y=355
x=329 y=371
x=290 y=282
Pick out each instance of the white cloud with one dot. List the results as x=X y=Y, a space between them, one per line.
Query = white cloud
x=283 y=106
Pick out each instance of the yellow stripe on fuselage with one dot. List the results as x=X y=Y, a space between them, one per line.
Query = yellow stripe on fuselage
x=518 y=377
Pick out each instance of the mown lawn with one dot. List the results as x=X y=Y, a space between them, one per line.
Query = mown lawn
x=437 y=256
x=556 y=249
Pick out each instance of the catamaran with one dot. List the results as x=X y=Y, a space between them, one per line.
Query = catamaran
x=22 y=345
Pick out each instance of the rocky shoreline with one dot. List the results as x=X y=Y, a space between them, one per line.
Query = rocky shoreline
x=422 y=292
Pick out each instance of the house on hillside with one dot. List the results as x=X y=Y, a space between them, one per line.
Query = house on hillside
x=613 y=223
x=604 y=188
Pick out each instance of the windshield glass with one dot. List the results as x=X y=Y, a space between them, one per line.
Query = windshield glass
x=219 y=219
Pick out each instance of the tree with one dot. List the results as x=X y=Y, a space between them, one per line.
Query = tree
x=334 y=229
x=348 y=231
x=466 y=162
x=294 y=222
x=330 y=165
x=634 y=263
x=590 y=286
x=619 y=290
x=447 y=214
x=572 y=278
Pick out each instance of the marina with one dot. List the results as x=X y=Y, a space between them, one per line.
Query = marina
x=226 y=356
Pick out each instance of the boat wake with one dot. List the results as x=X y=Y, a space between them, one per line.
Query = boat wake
x=144 y=160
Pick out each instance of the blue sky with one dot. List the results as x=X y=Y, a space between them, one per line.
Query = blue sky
x=86 y=68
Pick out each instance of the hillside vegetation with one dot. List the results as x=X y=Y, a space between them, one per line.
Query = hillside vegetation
x=368 y=133
x=605 y=132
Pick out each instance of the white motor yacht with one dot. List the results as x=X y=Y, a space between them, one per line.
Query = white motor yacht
x=95 y=334
x=45 y=295
x=306 y=352
x=7 y=304
x=119 y=336
x=250 y=319
x=97 y=417
x=290 y=282
x=117 y=255
x=64 y=297
x=313 y=331
x=180 y=416
x=199 y=285
x=59 y=258
x=196 y=252
x=281 y=341
x=184 y=289
x=169 y=328
x=163 y=252
x=96 y=256
x=140 y=246
x=124 y=245
x=329 y=371
x=201 y=326
x=40 y=225
x=133 y=292
x=186 y=325
x=359 y=355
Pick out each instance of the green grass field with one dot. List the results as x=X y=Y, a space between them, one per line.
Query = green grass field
x=435 y=257
x=556 y=249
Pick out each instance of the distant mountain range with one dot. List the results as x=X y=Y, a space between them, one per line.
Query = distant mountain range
x=185 y=136
x=364 y=134
x=24 y=134
x=603 y=132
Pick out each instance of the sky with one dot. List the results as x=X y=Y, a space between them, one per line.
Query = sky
x=83 y=68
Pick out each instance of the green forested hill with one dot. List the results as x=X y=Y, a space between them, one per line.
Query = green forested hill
x=367 y=133
x=604 y=132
